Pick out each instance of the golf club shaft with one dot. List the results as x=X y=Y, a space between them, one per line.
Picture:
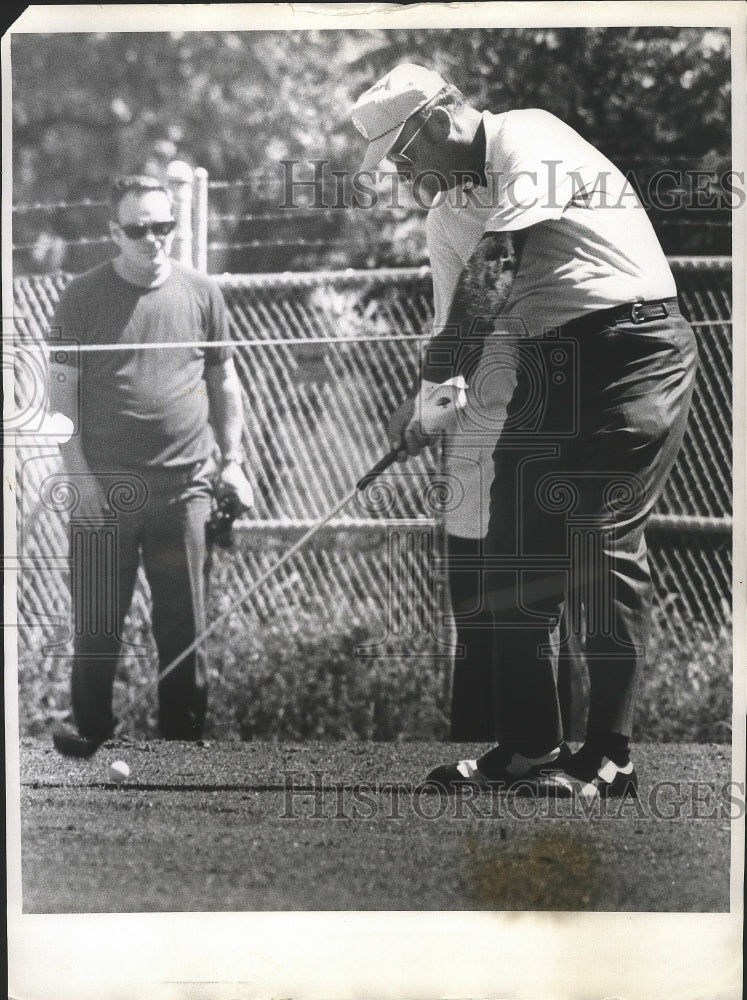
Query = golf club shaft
x=362 y=483
x=381 y=466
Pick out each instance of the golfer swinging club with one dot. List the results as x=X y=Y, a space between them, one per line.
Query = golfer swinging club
x=526 y=210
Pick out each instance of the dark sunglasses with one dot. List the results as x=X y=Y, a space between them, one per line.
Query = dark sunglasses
x=398 y=158
x=135 y=231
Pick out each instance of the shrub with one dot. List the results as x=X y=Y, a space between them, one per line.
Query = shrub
x=298 y=675
x=686 y=692
x=303 y=677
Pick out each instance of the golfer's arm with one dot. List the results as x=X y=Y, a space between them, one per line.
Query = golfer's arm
x=226 y=408
x=481 y=292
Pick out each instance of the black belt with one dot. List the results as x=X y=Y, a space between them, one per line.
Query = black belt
x=632 y=312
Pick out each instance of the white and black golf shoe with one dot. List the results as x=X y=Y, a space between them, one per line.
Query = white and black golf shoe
x=589 y=774
x=498 y=770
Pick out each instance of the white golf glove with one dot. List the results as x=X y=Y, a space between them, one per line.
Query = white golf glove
x=437 y=405
x=418 y=421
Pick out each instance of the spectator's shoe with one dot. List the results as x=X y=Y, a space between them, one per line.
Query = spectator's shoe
x=589 y=774
x=496 y=771
x=100 y=730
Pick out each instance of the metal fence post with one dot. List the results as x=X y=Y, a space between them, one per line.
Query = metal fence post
x=180 y=178
x=200 y=218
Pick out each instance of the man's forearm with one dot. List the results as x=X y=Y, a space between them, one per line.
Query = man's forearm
x=227 y=419
x=481 y=293
x=227 y=413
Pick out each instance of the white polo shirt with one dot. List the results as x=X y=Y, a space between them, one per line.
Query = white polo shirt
x=593 y=247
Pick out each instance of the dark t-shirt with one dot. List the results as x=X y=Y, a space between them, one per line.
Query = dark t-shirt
x=144 y=408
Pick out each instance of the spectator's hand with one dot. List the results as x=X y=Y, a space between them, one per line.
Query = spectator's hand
x=232 y=480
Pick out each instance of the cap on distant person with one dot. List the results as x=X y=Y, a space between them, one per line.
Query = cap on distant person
x=381 y=112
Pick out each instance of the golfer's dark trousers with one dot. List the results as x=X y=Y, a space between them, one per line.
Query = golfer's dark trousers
x=474 y=687
x=473 y=695
x=592 y=431
x=157 y=517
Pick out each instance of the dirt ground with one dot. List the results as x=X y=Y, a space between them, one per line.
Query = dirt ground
x=341 y=826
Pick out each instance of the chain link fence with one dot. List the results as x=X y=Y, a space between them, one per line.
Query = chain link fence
x=323 y=358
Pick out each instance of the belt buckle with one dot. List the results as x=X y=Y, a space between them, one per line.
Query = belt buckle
x=635 y=313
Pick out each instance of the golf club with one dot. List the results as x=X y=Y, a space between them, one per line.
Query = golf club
x=70 y=744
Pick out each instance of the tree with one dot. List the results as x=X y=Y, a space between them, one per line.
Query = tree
x=86 y=106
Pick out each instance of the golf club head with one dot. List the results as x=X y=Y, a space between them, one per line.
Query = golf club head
x=70 y=744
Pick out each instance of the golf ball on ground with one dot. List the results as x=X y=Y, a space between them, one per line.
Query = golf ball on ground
x=118 y=771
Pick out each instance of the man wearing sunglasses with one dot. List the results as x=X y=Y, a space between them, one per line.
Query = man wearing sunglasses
x=159 y=417
x=537 y=240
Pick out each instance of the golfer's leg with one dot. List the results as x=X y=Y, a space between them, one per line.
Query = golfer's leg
x=573 y=678
x=630 y=456
x=616 y=654
x=526 y=599
x=473 y=700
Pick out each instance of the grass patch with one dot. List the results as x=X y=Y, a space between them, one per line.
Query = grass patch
x=686 y=692
x=300 y=676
